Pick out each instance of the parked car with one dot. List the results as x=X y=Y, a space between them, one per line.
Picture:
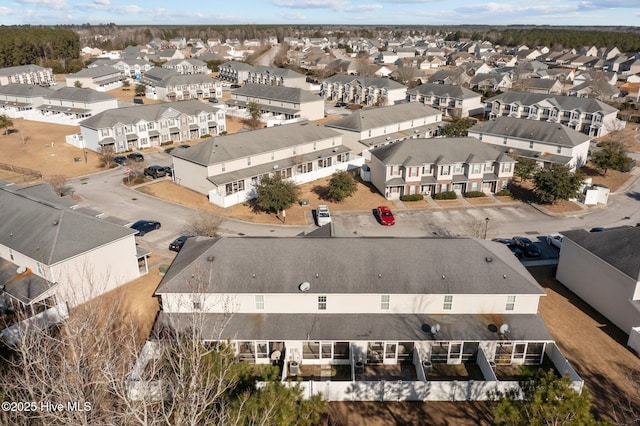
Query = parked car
x=509 y=243
x=120 y=159
x=136 y=156
x=340 y=104
x=168 y=150
x=139 y=101
x=168 y=170
x=385 y=216
x=235 y=86
x=597 y=229
x=144 y=226
x=323 y=214
x=213 y=100
x=555 y=240
x=155 y=171
x=527 y=246
x=177 y=244
x=184 y=146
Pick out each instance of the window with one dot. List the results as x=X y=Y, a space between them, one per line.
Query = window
x=504 y=141
x=305 y=167
x=530 y=145
x=260 y=301
x=457 y=169
x=224 y=167
x=511 y=303
x=322 y=303
x=559 y=150
x=448 y=302
x=234 y=187
x=197 y=305
x=324 y=162
x=480 y=136
x=427 y=170
x=248 y=161
x=476 y=169
x=413 y=171
x=506 y=168
x=384 y=302
x=445 y=170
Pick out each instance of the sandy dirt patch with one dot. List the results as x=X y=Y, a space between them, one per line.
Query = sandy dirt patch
x=420 y=204
x=480 y=201
x=45 y=150
x=449 y=203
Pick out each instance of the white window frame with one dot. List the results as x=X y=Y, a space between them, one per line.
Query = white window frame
x=448 y=302
x=259 y=298
x=385 y=302
x=322 y=303
x=511 y=303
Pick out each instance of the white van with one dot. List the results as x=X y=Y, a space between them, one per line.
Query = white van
x=323 y=214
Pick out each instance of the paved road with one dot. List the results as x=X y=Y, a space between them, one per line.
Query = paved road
x=105 y=193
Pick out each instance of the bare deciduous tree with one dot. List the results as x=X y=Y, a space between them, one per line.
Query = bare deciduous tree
x=203 y=223
x=58 y=183
x=106 y=153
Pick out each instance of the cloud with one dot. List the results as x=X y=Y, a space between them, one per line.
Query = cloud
x=609 y=4
x=53 y=4
x=335 y=5
x=102 y=2
x=293 y=16
x=5 y=11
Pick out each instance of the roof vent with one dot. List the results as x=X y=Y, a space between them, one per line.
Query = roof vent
x=388 y=138
x=55 y=222
x=488 y=259
x=210 y=258
x=304 y=286
x=21 y=270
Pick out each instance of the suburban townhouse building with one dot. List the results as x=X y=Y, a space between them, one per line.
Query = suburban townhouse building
x=187 y=66
x=363 y=90
x=278 y=104
x=69 y=105
x=546 y=143
x=542 y=85
x=185 y=87
x=430 y=166
x=451 y=100
x=370 y=128
x=148 y=126
x=585 y=115
x=493 y=81
x=227 y=169
x=101 y=78
x=273 y=76
x=129 y=68
x=235 y=72
x=46 y=268
x=455 y=77
x=21 y=100
x=603 y=269
x=27 y=74
x=394 y=333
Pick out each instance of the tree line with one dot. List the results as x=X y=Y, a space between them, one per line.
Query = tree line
x=56 y=48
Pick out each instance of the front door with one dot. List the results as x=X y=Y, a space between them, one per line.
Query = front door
x=455 y=353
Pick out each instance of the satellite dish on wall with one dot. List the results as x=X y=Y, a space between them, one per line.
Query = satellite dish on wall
x=435 y=329
x=21 y=270
x=305 y=286
x=504 y=329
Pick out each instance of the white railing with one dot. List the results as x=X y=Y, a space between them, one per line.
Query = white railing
x=14 y=334
x=139 y=389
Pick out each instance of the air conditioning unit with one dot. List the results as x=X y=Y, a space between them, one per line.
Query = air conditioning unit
x=294 y=368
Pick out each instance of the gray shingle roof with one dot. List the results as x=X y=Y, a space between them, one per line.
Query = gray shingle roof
x=184 y=79
x=532 y=130
x=563 y=102
x=276 y=93
x=361 y=327
x=153 y=112
x=22 y=69
x=348 y=265
x=246 y=144
x=27 y=90
x=93 y=72
x=370 y=118
x=365 y=81
x=51 y=233
x=616 y=246
x=447 y=90
x=79 y=94
x=440 y=150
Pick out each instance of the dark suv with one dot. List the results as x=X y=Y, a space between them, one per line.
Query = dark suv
x=136 y=156
x=155 y=171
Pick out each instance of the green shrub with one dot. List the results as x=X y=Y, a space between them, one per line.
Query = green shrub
x=446 y=195
x=474 y=194
x=412 y=197
x=504 y=192
x=205 y=136
x=166 y=143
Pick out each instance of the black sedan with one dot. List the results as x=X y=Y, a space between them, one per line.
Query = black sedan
x=144 y=226
x=527 y=246
x=136 y=156
x=509 y=243
x=177 y=244
x=155 y=171
x=120 y=159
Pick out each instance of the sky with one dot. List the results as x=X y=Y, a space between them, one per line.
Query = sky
x=345 y=12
